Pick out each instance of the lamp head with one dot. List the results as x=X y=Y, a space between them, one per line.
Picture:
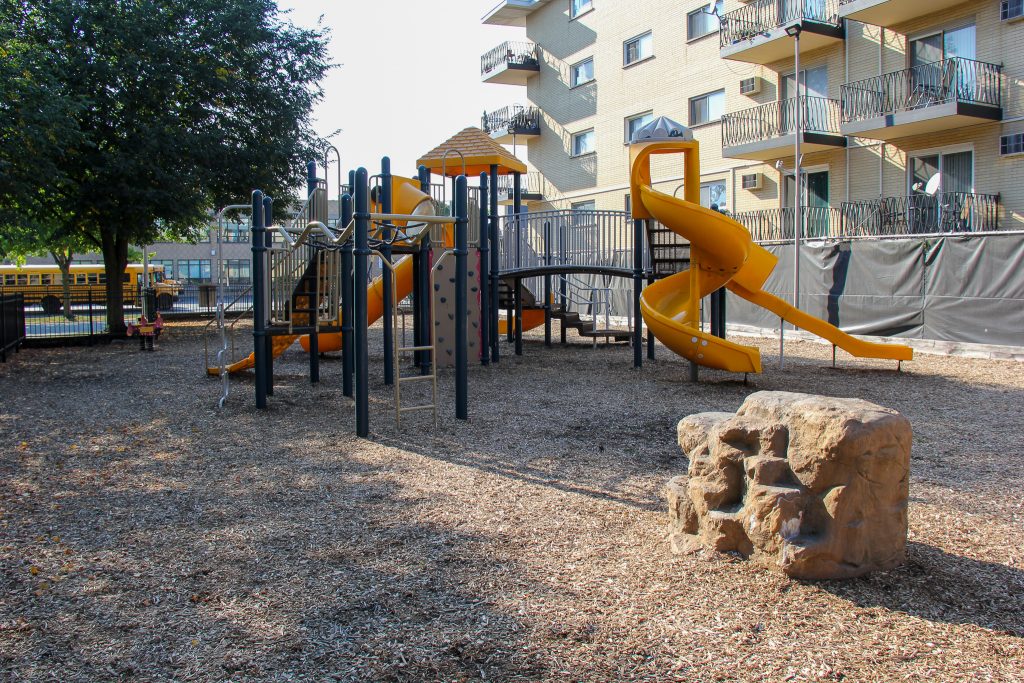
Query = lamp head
x=794 y=30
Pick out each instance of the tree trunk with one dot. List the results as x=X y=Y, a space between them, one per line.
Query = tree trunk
x=63 y=259
x=115 y=260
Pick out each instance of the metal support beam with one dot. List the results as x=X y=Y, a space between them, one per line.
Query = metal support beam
x=518 y=329
x=547 y=284
x=495 y=248
x=362 y=254
x=485 y=271
x=259 y=304
x=388 y=283
x=347 y=289
x=268 y=239
x=311 y=302
x=421 y=290
x=461 y=308
x=638 y=285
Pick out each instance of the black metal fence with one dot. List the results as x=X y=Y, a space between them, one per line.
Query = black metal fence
x=951 y=80
x=509 y=54
x=775 y=119
x=12 y=323
x=513 y=119
x=759 y=18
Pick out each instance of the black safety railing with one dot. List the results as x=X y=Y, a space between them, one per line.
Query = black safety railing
x=951 y=80
x=12 y=323
x=773 y=225
x=775 y=119
x=759 y=18
x=512 y=119
x=946 y=212
x=513 y=54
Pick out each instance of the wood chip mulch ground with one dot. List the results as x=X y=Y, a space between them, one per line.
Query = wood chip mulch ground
x=145 y=536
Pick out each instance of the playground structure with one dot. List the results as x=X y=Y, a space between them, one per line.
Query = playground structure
x=313 y=282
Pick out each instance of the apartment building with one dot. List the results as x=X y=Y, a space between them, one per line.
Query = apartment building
x=912 y=113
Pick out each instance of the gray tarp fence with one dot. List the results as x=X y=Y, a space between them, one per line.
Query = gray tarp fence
x=961 y=288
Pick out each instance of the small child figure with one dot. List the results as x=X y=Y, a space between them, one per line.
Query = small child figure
x=158 y=325
x=145 y=332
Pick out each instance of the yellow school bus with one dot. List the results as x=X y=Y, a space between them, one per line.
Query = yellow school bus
x=42 y=284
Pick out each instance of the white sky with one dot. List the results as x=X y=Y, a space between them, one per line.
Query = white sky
x=410 y=75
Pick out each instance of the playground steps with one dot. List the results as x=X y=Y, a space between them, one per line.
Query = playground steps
x=568 y=319
x=670 y=252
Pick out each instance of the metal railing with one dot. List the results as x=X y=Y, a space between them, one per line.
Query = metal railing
x=951 y=80
x=774 y=225
x=775 y=119
x=12 y=323
x=759 y=18
x=514 y=118
x=529 y=183
x=509 y=54
x=946 y=212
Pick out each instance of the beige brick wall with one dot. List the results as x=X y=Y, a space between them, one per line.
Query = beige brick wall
x=681 y=70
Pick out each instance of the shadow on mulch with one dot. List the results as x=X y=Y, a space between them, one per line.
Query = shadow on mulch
x=939 y=587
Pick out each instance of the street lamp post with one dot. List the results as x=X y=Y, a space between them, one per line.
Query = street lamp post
x=794 y=31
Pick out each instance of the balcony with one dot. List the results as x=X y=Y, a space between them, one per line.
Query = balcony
x=768 y=131
x=756 y=33
x=921 y=214
x=511 y=63
x=512 y=12
x=530 y=188
x=927 y=98
x=891 y=12
x=510 y=124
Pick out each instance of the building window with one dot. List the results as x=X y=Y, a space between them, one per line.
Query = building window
x=582 y=72
x=578 y=7
x=700 y=22
x=637 y=49
x=712 y=195
x=635 y=123
x=168 y=265
x=583 y=143
x=236 y=232
x=707 y=108
x=194 y=270
x=237 y=270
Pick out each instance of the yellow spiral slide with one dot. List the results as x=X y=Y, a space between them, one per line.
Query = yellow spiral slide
x=722 y=253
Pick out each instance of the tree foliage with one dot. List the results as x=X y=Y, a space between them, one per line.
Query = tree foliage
x=166 y=109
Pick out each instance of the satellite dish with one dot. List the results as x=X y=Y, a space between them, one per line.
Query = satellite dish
x=779 y=165
x=933 y=185
x=712 y=7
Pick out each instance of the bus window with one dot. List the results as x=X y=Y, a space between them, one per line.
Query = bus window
x=33 y=280
x=9 y=280
x=126 y=278
x=103 y=278
x=22 y=279
x=93 y=278
x=158 y=276
x=46 y=279
x=80 y=279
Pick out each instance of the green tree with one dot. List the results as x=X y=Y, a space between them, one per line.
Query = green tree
x=179 y=106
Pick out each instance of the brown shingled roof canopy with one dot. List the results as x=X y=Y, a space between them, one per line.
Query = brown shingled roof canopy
x=480 y=151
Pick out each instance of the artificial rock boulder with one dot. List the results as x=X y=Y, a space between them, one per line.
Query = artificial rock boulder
x=813 y=486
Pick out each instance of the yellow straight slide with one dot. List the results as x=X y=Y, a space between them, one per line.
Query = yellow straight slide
x=532 y=318
x=722 y=253
x=408 y=199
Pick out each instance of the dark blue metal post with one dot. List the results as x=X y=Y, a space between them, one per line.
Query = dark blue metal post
x=563 y=298
x=517 y=208
x=259 y=310
x=268 y=220
x=362 y=254
x=311 y=302
x=485 y=270
x=495 y=249
x=518 y=327
x=421 y=289
x=386 y=203
x=547 y=284
x=461 y=308
x=650 y=336
x=638 y=285
x=347 y=357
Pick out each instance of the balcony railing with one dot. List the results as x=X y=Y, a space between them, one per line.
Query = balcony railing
x=529 y=185
x=776 y=119
x=775 y=225
x=951 y=80
x=759 y=18
x=946 y=212
x=516 y=118
x=509 y=54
